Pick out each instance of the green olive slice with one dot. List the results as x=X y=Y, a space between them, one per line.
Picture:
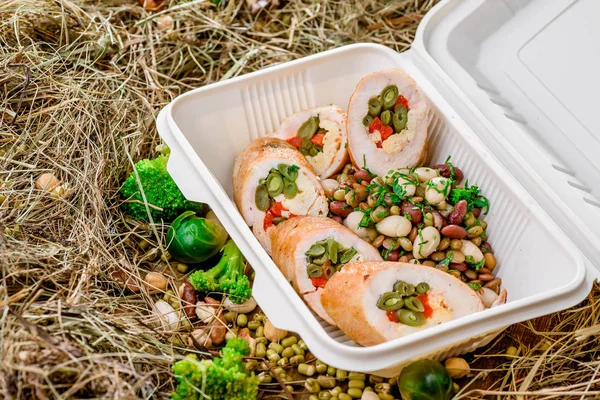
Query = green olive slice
x=274 y=184
x=367 y=120
x=389 y=95
x=403 y=288
x=410 y=318
x=308 y=129
x=278 y=220
x=314 y=271
x=329 y=270
x=289 y=189
x=315 y=250
x=390 y=301
x=347 y=255
x=399 y=118
x=412 y=303
x=386 y=117
x=261 y=198
x=422 y=288
x=374 y=107
x=322 y=259
x=332 y=250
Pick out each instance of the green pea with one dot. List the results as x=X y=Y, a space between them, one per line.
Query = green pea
x=289 y=341
x=367 y=120
x=389 y=95
x=331 y=370
x=321 y=367
x=242 y=320
x=290 y=189
x=414 y=304
x=356 y=383
x=386 y=117
x=253 y=325
x=341 y=375
x=309 y=128
x=297 y=349
x=288 y=352
x=422 y=288
x=374 y=107
x=261 y=350
x=355 y=393
x=327 y=382
x=410 y=318
x=390 y=301
x=276 y=347
x=400 y=118
x=347 y=255
x=261 y=198
x=315 y=250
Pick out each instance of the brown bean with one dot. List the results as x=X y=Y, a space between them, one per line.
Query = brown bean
x=442 y=267
x=218 y=330
x=444 y=243
x=455 y=244
x=477 y=212
x=417 y=199
x=429 y=263
x=486 y=247
x=493 y=284
x=486 y=277
x=490 y=261
x=455 y=274
x=352 y=199
x=484 y=270
x=454 y=232
x=413 y=211
x=474 y=231
x=378 y=241
x=337 y=219
x=438 y=256
x=458 y=266
x=379 y=213
x=469 y=273
x=410 y=256
x=363 y=206
x=403 y=259
x=389 y=243
x=189 y=300
x=394 y=255
x=340 y=208
x=361 y=192
x=413 y=234
x=362 y=175
x=476 y=241
x=459 y=212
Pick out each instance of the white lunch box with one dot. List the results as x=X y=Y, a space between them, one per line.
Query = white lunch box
x=495 y=108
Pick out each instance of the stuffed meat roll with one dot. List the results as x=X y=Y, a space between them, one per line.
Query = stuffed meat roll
x=272 y=181
x=320 y=135
x=387 y=122
x=310 y=250
x=375 y=302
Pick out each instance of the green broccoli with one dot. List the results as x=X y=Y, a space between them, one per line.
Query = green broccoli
x=225 y=277
x=224 y=378
x=160 y=190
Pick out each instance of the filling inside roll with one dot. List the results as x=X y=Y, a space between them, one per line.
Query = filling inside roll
x=389 y=122
x=326 y=257
x=318 y=139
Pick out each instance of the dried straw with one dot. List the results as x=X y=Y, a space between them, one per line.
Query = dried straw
x=81 y=85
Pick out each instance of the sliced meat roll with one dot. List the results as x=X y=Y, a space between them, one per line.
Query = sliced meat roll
x=309 y=250
x=320 y=135
x=272 y=181
x=351 y=299
x=387 y=122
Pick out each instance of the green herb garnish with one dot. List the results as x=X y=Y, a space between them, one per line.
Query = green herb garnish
x=471 y=194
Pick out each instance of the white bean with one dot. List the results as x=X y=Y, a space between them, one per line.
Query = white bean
x=470 y=250
x=437 y=190
x=426 y=174
x=426 y=242
x=168 y=317
x=205 y=312
x=487 y=296
x=394 y=226
x=330 y=186
x=351 y=222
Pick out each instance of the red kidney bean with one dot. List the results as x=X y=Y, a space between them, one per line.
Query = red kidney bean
x=454 y=232
x=362 y=175
x=477 y=212
x=340 y=208
x=457 y=215
x=444 y=170
x=486 y=247
x=458 y=174
x=394 y=255
x=413 y=211
x=458 y=266
x=337 y=219
x=189 y=300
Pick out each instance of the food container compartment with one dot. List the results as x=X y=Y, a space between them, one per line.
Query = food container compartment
x=208 y=127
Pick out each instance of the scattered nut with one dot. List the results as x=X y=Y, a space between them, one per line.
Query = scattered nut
x=246 y=307
x=155 y=281
x=457 y=367
x=188 y=299
x=167 y=316
x=47 y=182
x=245 y=334
x=206 y=313
x=274 y=334
x=218 y=330
x=126 y=281
x=202 y=338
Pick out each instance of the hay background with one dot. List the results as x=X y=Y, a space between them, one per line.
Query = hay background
x=99 y=73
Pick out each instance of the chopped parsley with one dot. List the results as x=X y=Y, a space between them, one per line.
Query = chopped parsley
x=474 y=286
x=372 y=175
x=472 y=195
x=293 y=168
x=479 y=265
x=446 y=261
x=449 y=164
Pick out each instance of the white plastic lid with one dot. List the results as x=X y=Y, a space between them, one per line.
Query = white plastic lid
x=525 y=75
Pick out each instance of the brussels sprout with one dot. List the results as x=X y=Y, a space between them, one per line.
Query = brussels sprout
x=192 y=239
x=425 y=380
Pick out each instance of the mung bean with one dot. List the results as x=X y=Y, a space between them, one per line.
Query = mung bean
x=242 y=320
x=341 y=375
x=356 y=383
x=312 y=386
x=321 y=367
x=306 y=369
x=355 y=393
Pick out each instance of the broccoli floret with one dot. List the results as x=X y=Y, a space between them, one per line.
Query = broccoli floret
x=224 y=378
x=225 y=277
x=160 y=190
